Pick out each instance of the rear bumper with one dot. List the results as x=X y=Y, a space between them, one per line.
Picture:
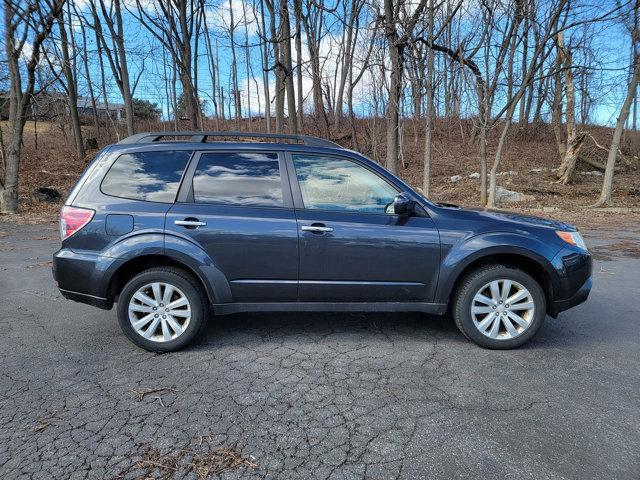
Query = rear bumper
x=80 y=277
x=86 y=298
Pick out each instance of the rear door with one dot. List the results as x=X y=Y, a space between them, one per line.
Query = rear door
x=353 y=248
x=237 y=206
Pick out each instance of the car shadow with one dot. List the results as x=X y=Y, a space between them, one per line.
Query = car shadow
x=261 y=327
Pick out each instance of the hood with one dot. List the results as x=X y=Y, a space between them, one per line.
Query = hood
x=506 y=216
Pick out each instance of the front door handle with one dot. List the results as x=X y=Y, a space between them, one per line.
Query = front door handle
x=316 y=228
x=190 y=223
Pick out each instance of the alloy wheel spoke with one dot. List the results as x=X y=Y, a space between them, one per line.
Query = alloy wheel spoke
x=142 y=322
x=516 y=297
x=518 y=319
x=480 y=310
x=168 y=293
x=495 y=291
x=484 y=324
x=157 y=295
x=174 y=325
x=181 y=302
x=522 y=306
x=495 y=327
x=509 y=326
x=136 y=307
x=152 y=328
x=506 y=289
x=480 y=298
x=180 y=313
x=147 y=300
x=166 y=334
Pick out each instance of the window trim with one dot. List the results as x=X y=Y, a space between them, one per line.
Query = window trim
x=180 y=182
x=186 y=195
x=297 y=191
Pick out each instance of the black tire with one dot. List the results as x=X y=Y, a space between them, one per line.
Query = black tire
x=191 y=289
x=473 y=282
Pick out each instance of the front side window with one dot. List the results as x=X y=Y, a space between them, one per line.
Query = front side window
x=150 y=176
x=331 y=183
x=241 y=179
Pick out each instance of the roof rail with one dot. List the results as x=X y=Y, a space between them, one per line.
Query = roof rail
x=196 y=136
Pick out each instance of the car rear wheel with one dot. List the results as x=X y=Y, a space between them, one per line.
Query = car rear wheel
x=162 y=309
x=499 y=307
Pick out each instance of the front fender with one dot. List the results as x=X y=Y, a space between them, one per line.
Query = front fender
x=474 y=248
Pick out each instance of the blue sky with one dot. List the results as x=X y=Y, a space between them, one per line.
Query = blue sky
x=608 y=43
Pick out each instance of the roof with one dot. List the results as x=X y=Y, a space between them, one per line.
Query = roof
x=85 y=102
x=202 y=137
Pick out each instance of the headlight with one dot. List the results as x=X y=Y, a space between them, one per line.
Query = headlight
x=573 y=238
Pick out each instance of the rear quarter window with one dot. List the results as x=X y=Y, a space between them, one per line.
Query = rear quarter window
x=150 y=176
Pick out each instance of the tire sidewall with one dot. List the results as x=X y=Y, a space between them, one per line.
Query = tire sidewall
x=481 y=278
x=194 y=296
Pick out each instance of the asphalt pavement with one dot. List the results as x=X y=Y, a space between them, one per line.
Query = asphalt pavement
x=315 y=395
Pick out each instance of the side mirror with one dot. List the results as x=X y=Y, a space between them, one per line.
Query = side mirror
x=403 y=205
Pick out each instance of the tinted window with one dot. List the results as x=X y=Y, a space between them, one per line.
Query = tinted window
x=329 y=183
x=151 y=176
x=249 y=179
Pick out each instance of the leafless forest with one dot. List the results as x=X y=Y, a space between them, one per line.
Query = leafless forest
x=410 y=83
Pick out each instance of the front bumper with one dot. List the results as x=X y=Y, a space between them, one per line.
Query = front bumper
x=574 y=268
x=576 y=299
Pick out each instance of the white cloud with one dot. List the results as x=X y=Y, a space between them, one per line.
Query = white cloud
x=218 y=17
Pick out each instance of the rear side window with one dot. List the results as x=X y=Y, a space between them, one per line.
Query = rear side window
x=150 y=176
x=244 y=179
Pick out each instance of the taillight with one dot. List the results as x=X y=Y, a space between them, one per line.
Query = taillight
x=73 y=219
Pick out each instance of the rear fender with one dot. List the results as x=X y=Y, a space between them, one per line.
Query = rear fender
x=177 y=249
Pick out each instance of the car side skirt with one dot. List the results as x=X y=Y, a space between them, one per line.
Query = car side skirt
x=431 y=308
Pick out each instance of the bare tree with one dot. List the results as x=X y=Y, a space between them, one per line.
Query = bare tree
x=632 y=90
x=70 y=84
x=173 y=24
x=397 y=29
x=23 y=21
x=116 y=53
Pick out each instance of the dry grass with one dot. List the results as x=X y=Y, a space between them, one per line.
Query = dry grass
x=153 y=464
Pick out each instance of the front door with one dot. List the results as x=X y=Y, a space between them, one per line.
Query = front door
x=239 y=210
x=352 y=247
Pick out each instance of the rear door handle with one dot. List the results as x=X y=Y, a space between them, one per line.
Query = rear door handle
x=316 y=229
x=190 y=223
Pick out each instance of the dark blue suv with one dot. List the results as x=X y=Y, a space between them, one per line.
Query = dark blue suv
x=172 y=226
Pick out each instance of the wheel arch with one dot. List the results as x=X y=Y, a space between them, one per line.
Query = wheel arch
x=531 y=262
x=130 y=268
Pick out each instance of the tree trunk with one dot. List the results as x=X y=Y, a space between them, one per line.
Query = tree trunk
x=72 y=94
x=285 y=42
x=607 y=184
x=297 y=4
x=574 y=141
x=426 y=181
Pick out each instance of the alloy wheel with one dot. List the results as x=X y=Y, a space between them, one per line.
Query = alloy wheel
x=159 y=312
x=502 y=309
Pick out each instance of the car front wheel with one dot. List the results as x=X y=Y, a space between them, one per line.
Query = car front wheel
x=162 y=309
x=499 y=307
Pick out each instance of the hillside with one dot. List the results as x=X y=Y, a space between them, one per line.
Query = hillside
x=527 y=166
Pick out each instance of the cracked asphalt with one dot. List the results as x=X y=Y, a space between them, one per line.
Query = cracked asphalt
x=316 y=395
